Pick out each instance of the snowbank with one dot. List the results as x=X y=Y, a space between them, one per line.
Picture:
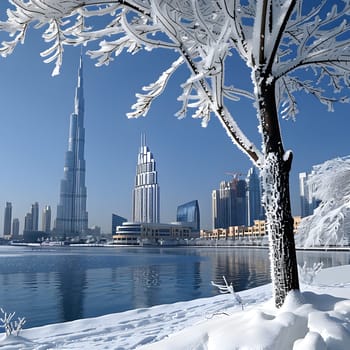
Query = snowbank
x=317 y=318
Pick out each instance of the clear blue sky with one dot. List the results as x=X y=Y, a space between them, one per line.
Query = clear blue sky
x=191 y=160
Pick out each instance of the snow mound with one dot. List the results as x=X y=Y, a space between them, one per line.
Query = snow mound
x=307 y=321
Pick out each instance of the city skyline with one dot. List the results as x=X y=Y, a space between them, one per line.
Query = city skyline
x=33 y=216
x=191 y=160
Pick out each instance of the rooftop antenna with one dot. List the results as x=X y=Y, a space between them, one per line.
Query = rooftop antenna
x=143 y=139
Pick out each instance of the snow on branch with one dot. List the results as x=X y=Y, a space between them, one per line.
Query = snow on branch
x=10 y=326
x=290 y=84
x=330 y=223
x=316 y=38
x=296 y=44
x=144 y=101
x=228 y=288
x=307 y=274
x=55 y=35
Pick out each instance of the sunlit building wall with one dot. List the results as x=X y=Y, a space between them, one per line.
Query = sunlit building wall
x=136 y=233
x=258 y=229
x=46 y=219
x=146 y=206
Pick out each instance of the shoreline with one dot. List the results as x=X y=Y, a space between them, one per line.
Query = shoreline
x=214 y=245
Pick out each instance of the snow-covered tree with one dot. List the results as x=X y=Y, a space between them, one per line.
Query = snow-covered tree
x=289 y=46
x=330 y=223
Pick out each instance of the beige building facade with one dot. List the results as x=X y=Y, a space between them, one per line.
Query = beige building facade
x=236 y=232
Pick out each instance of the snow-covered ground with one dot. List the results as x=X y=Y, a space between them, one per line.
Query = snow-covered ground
x=317 y=318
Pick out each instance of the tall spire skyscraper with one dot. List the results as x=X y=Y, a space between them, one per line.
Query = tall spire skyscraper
x=7 y=219
x=146 y=192
x=72 y=217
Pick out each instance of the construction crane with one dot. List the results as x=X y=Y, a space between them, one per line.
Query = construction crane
x=235 y=176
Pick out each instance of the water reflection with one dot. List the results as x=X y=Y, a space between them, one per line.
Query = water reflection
x=67 y=284
x=245 y=268
x=71 y=288
x=197 y=280
x=145 y=285
x=43 y=287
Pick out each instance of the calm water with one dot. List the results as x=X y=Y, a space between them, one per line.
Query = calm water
x=62 y=284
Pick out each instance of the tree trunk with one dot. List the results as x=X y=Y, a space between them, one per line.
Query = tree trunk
x=276 y=197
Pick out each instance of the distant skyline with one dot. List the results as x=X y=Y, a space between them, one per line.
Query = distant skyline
x=191 y=160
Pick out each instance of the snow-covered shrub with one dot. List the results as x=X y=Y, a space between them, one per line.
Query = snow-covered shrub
x=228 y=288
x=308 y=274
x=11 y=327
x=330 y=223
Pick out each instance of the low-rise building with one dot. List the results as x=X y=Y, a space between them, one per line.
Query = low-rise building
x=236 y=232
x=131 y=233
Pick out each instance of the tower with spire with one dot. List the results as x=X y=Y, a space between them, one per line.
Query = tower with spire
x=254 y=208
x=72 y=217
x=146 y=191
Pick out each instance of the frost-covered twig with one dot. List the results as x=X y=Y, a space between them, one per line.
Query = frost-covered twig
x=329 y=183
x=11 y=327
x=228 y=288
x=308 y=274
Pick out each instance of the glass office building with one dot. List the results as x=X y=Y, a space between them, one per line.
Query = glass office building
x=229 y=204
x=117 y=221
x=188 y=214
x=254 y=207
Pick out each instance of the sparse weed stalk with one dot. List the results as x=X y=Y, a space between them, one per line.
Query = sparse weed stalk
x=11 y=327
x=228 y=288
